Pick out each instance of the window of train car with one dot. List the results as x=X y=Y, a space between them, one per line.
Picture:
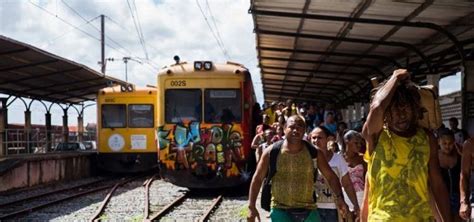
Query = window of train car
x=114 y=116
x=222 y=106
x=182 y=105
x=140 y=115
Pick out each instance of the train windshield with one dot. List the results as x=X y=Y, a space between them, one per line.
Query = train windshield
x=222 y=106
x=114 y=116
x=140 y=116
x=182 y=105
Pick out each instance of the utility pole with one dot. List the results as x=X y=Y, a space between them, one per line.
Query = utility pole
x=102 y=41
x=125 y=60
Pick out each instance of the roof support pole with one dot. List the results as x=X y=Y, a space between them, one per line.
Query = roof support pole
x=47 y=117
x=358 y=111
x=65 y=126
x=3 y=125
x=467 y=90
x=80 y=128
x=350 y=116
x=27 y=132
x=80 y=123
x=433 y=80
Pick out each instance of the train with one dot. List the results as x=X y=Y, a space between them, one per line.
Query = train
x=202 y=122
x=126 y=129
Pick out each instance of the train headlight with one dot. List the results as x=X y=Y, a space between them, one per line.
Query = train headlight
x=207 y=65
x=197 y=65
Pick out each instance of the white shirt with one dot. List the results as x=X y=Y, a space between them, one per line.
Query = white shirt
x=325 y=197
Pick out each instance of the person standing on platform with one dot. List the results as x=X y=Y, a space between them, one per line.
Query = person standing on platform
x=459 y=135
x=466 y=170
x=326 y=198
x=271 y=113
x=450 y=163
x=357 y=166
x=293 y=183
x=403 y=166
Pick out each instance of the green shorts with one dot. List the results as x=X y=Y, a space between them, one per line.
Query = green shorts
x=283 y=215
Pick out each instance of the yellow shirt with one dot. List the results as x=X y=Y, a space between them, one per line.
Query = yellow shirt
x=271 y=116
x=293 y=183
x=398 y=178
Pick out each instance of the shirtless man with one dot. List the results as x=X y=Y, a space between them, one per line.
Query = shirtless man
x=466 y=166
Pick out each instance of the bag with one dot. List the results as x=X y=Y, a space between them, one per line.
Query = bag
x=266 y=195
x=431 y=116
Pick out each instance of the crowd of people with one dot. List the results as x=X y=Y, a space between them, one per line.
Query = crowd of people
x=386 y=168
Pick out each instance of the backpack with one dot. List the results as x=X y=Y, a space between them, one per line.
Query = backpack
x=266 y=196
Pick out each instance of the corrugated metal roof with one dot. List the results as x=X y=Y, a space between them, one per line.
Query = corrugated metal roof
x=327 y=50
x=27 y=71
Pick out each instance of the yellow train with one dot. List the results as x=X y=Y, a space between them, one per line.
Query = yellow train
x=204 y=118
x=127 y=128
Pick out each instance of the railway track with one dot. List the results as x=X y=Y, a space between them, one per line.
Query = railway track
x=109 y=195
x=185 y=206
x=32 y=203
x=139 y=198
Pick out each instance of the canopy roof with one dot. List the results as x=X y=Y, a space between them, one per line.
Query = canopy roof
x=26 y=71
x=327 y=51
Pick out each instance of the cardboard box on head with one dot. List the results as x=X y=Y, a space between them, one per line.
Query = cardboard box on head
x=431 y=111
x=431 y=116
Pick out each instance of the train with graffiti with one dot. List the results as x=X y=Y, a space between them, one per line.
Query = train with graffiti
x=127 y=128
x=204 y=119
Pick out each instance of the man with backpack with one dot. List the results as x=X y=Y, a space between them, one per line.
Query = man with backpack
x=292 y=182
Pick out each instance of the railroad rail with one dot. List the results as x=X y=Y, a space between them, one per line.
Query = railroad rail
x=169 y=207
x=22 y=210
x=109 y=195
x=179 y=201
x=209 y=211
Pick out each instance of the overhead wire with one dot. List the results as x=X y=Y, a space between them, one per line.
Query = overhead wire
x=140 y=28
x=128 y=52
x=147 y=61
x=67 y=32
x=63 y=20
x=217 y=29
x=74 y=26
x=136 y=27
x=212 y=31
x=97 y=29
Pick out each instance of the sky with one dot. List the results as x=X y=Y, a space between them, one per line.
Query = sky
x=70 y=28
x=216 y=30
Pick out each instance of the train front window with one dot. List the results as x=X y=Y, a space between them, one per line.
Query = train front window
x=182 y=105
x=140 y=116
x=222 y=106
x=114 y=116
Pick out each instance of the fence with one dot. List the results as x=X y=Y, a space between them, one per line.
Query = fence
x=21 y=141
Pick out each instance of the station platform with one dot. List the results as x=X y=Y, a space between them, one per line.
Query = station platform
x=21 y=171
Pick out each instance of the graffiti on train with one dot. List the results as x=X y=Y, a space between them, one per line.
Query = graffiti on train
x=206 y=150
